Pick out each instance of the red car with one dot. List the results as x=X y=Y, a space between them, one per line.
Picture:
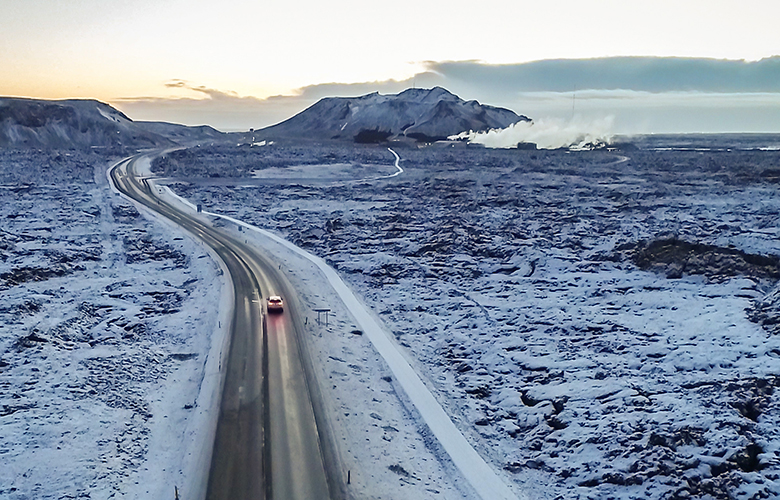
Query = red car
x=275 y=304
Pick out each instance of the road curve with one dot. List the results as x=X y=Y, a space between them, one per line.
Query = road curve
x=267 y=444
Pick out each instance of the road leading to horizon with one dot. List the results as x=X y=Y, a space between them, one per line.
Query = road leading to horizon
x=267 y=443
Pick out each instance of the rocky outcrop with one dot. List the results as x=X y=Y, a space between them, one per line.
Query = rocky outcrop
x=674 y=258
x=766 y=312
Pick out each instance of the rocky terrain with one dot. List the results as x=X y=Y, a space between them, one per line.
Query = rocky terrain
x=86 y=124
x=601 y=326
x=423 y=115
x=103 y=335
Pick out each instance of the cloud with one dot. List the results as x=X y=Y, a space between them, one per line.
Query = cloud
x=224 y=110
x=643 y=94
x=213 y=94
x=638 y=112
x=227 y=111
x=550 y=133
x=176 y=84
x=425 y=79
x=651 y=74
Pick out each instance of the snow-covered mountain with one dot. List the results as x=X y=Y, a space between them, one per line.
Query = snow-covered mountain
x=183 y=134
x=422 y=114
x=33 y=123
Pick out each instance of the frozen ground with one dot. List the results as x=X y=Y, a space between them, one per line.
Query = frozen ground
x=106 y=321
x=599 y=325
x=386 y=450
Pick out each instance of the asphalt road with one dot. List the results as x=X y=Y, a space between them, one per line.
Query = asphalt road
x=267 y=443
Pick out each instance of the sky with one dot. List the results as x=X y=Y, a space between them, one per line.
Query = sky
x=224 y=63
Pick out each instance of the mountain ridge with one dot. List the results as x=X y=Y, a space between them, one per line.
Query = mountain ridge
x=419 y=114
x=84 y=123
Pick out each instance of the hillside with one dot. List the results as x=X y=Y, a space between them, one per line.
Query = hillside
x=183 y=133
x=421 y=114
x=77 y=124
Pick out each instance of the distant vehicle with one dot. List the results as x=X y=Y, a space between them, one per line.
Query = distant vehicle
x=275 y=304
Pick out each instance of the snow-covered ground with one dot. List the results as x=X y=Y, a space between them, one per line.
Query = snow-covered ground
x=109 y=338
x=580 y=361
x=370 y=406
x=513 y=279
x=111 y=349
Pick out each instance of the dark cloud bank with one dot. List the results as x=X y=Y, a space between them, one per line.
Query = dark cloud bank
x=648 y=74
x=643 y=94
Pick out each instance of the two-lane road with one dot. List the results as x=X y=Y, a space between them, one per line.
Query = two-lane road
x=267 y=443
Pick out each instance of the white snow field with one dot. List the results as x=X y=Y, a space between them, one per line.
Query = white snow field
x=113 y=330
x=109 y=338
x=596 y=327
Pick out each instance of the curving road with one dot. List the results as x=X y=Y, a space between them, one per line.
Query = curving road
x=268 y=442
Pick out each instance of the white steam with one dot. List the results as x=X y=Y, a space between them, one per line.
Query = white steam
x=550 y=133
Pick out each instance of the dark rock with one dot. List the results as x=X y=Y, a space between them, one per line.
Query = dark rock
x=747 y=459
x=142 y=249
x=556 y=423
x=676 y=258
x=20 y=275
x=11 y=409
x=371 y=136
x=766 y=312
x=481 y=392
x=183 y=356
x=125 y=212
x=535 y=464
x=398 y=469
x=31 y=340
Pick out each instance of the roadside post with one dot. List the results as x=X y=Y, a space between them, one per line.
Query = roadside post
x=319 y=312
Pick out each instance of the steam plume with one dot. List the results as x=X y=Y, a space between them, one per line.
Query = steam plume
x=550 y=133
